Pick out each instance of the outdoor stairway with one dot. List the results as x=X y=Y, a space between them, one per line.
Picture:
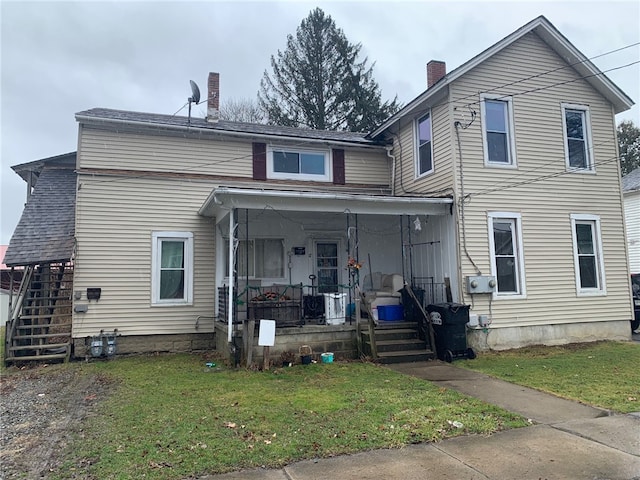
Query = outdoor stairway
x=397 y=342
x=41 y=329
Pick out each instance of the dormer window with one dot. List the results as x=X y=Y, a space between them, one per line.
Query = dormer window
x=294 y=164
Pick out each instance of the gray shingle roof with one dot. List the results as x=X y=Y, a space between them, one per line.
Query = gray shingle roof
x=223 y=126
x=631 y=181
x=46 y=230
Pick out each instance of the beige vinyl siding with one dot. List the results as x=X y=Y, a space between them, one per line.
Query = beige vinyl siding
x=192 y=155
x=129 y=151
x=541 y=190
x=367 y=166
x=115 y=218
x=405 y=151
x=632 y=220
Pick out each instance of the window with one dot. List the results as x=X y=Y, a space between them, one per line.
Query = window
x=587 y=255
x=507 y=259
x=258 y=258
x=497 y=131
x=172 y=268
x=577 y=138
x=424 y=151
x=299 y=165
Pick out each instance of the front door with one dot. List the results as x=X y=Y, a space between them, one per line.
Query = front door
x=327 y=266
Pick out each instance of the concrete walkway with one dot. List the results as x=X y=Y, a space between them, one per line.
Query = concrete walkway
x=567 y=440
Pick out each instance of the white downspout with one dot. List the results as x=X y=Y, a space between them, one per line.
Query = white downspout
x=232 y=237
x=393 y=168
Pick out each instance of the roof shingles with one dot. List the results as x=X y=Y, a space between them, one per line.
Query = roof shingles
x=46 y=230
x=222 y=126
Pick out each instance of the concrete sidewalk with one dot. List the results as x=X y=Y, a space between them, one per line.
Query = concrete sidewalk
x=567 y=441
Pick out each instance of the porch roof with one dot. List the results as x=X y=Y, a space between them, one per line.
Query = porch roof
x=222 y=199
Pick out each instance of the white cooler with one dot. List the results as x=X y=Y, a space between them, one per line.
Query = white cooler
x=335 y=305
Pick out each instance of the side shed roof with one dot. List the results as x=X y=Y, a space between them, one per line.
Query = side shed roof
x=46 y=230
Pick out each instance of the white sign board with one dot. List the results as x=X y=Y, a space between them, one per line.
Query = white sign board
x=267 y=335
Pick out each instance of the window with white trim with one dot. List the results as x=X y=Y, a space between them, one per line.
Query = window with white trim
x=258 y=258
x=294 y=164
x=172 y=268
x=497 y=131
x=424 y=146
x=587 y=254
x=507 y=258
x=577 y=138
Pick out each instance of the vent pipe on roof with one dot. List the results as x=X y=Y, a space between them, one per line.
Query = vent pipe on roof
x=213 y=98
x=436 y=69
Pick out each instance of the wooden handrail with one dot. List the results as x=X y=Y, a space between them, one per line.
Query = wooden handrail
x=425 y=318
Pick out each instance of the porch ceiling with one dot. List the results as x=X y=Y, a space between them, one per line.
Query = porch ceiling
x=223 y=199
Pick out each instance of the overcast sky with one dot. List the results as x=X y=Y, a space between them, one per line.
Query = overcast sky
x=59 y=58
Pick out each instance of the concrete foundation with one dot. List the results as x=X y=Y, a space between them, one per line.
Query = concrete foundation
x=150 y=344
x=339 y=339
x=505 y=338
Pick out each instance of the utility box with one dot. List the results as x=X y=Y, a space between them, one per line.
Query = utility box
x=481 y=284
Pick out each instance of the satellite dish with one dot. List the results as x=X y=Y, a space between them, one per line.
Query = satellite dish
x=194 y=98
x=195 y=92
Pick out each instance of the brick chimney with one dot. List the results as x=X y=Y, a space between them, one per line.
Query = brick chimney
x=213 y=98
x=435 y=71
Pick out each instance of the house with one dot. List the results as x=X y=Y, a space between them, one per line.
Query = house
x=631 y=192
x=498 y=187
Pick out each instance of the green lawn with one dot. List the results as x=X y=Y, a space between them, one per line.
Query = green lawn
x=604 y=374
x=169 y=417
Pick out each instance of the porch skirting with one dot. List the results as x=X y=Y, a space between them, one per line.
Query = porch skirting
x=339 y=339
x=504 y=338
x=130 y=344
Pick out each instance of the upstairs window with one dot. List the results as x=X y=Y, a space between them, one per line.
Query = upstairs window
x=424 y=150
x=172 y=268
x=292 y=164
x=577 y=138
x=497 y=131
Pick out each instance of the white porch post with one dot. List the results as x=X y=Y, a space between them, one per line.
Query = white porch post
x=232 y=237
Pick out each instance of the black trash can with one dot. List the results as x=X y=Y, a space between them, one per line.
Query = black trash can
x=449 y=322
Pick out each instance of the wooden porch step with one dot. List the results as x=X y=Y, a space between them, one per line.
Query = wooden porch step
x=42 y=335
x=44 y=315
x=384 y=346
x=29 y=358
x=44 y=346
x=48 y=325
x=405 y=356
x=33 y=298
x=393 y=333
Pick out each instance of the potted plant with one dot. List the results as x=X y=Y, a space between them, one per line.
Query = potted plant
x=287 y=358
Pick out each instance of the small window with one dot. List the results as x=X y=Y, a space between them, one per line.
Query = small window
x=497 y=129
x=577 y=138
x=258 y=258
x=299 y=165
x=172 y=268
x=424 y=151
x=507 y=259
x=587 y=255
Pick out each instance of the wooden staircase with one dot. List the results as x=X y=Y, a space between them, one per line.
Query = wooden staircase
x=39 y=327
x=396 y=342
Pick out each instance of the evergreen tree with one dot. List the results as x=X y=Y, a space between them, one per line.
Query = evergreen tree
x=319 y=82
x=628 y=146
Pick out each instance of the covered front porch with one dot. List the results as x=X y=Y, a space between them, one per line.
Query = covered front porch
x=323 y=264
